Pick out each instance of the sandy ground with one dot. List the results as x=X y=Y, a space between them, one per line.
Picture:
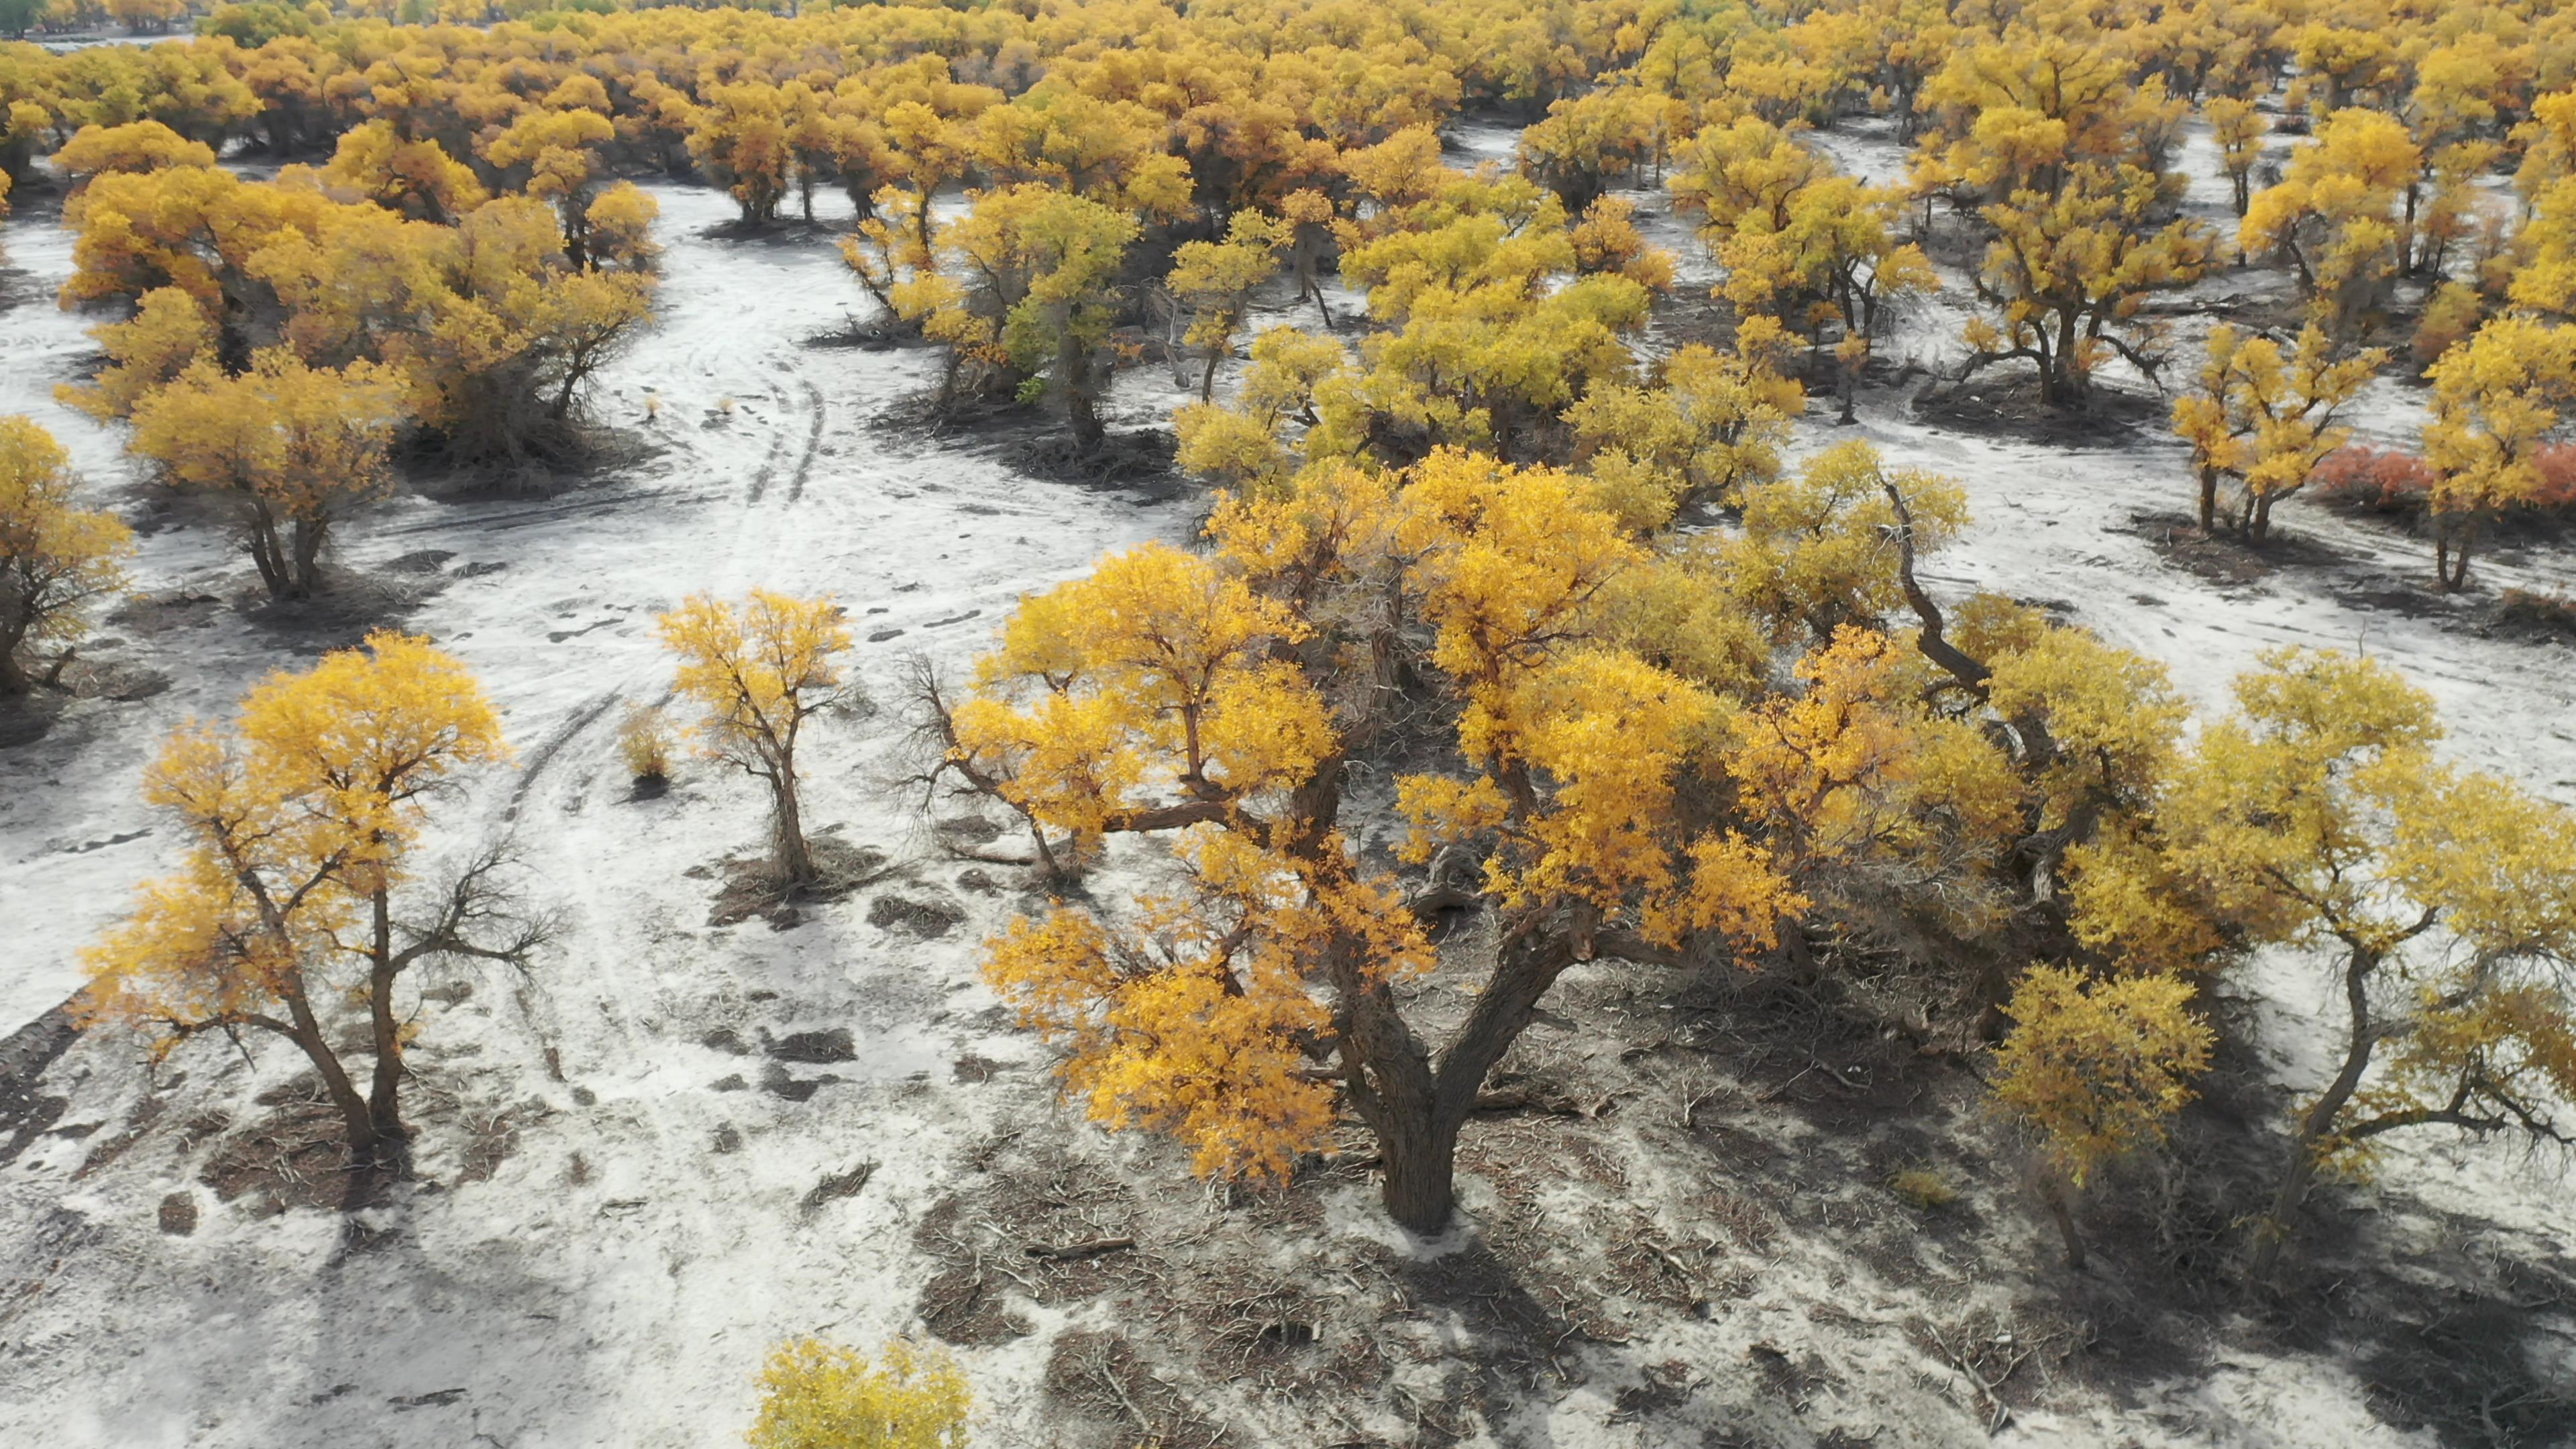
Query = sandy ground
x=625 y=1155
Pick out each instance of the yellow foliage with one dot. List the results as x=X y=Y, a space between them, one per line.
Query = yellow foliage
x=816 y=1396
x=2097 y=1067
x=758 y=670
x=54 y=558
x=1815 y=554
x=294 y=445
x=291 y=822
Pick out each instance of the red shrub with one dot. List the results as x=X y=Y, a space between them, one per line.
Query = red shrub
x=2557 y=466
x=2383 y=480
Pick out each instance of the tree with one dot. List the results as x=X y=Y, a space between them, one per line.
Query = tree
x=2238 y=129
x=817 y=1396
x=54 y=558
x=2497 y=398
x=2068 y=271
x=1215 y=281
x=139 y=146
x=759 y=670
x=739 y=138
x=2265 y=419
x=412 y=175
x=1040 y=268
x=295 y=890
x=1240 y=446
x=294 y=447
x=2318 y=818
x=1590 y=143
x=2096 y=1068
x=2336 y=218
x=1829 y=267
x=1707 y=426
x=1216 y=702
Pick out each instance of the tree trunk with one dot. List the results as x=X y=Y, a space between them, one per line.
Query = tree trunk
x=787 y=840
x=1421 y=1153
x=359 y=1122
x=384 y=1095
x=2318 y=1122
x=267 y=553
x=13 y=675
x=2053 y=1193
x=1073 y=374
x=1216 y=352
x=2208 y=501
x=308 y=535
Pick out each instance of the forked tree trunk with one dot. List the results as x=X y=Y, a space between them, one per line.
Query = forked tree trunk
x=355 y=1117
x=794 y=859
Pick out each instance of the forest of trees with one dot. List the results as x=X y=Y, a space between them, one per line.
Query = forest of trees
x=1644 y=691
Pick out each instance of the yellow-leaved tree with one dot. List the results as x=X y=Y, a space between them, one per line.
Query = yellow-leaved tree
x=760 y=669
x=295 y=898
x=2097 y=1068
x=2497 y=399
x=2265 y=417
x=54 y=557
x=814 y=1395
x=1214 y=281
x=1216 y=701
x=2319 y=818
x=293 y=447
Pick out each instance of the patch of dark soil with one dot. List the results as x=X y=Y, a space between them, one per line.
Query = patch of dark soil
x=28 y=718
x=967 y=1306
x=2472 y=1363
x=2527 y=614
x=728 y=1140
x=868 y=336
x=753 y=888
x=815 y=1048
x=973 y=829
x=296 y=1156
x=1140 y=461
x=779 y=1083
x=492 y=1137
x=918 y=917
x=137 y=1123
x=25 y=1112
x=973 y=1070
x=734 y=1083
x=833 y=1188
x=83 y=677
x=179 y=1213
x=18 y=287
x=348 y=607
x=2008 y=405
x=2222 y=557
x=157 y=614
x=727 y=1040
x=1100 y=1382
x=1054 y=1227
